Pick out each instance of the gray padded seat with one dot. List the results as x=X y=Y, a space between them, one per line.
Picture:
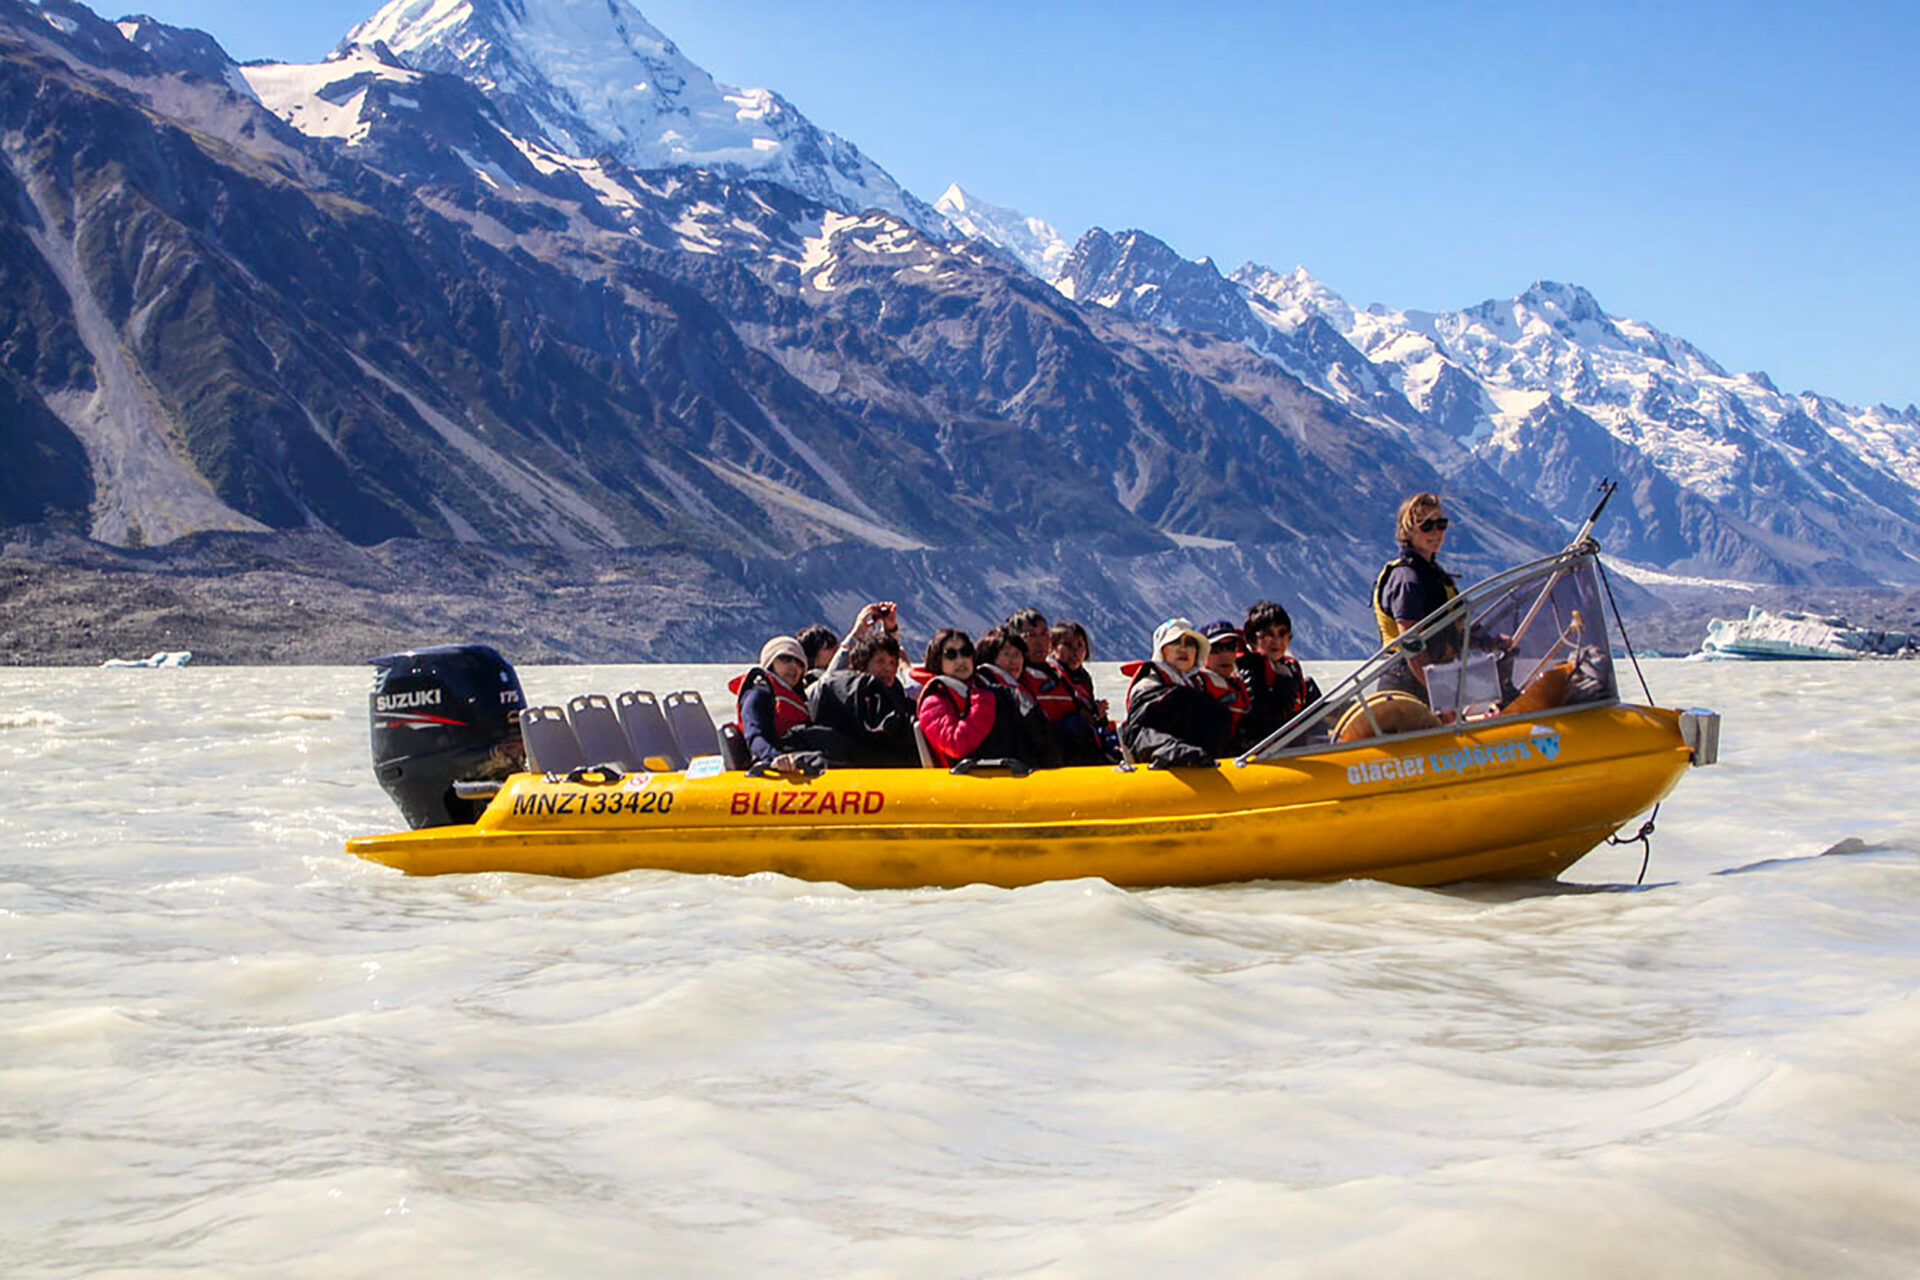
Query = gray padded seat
x=602 y=740
x=647 y=731
x=733 y=749
x=551 y=744
x=927 y=760
x=692 y=726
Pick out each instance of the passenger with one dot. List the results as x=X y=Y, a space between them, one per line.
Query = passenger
x=1048 y=686
x=1001 y=662
x=1099 y=743
x=1058 y=696
x=1171 y=722
x=864 y=703
x=773 y=715
x=1280 y=689
x=959 y=718
x=1413 y=585
x=882 y=617
x=1072 y=647
x=1219 y=678
x=818 y=642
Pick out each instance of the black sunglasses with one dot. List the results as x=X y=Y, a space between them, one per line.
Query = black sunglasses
x=1187 y=642
x=956 y=653
x=1438 y=522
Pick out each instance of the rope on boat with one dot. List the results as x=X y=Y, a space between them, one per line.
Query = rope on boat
x=1620 y=619
x=1644 y=838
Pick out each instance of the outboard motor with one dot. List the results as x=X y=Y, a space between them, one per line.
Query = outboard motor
x=442 y=715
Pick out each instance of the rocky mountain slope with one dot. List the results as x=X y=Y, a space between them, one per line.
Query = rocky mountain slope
x=1725 y=475
x=518 y=276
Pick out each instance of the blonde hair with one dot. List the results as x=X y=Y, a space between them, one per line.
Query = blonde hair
x=1412 y=512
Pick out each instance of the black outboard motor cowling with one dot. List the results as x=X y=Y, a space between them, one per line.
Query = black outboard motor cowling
x=442 y=715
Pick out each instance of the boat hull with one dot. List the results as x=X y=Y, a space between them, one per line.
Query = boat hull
x=1522 y=797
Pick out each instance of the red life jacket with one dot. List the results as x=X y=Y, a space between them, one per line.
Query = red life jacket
x=1270 y=673
x=789 y=708
x=1230 y=692
x=1299 y=683
x=1058 y=696
x=1167 y=675
x=997 y=678
x=1081 y=682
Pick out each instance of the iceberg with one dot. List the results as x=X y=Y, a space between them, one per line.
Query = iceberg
x=165 y=658
x=1790 y=634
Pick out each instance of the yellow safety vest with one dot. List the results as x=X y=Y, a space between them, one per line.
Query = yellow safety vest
x=1388 y=624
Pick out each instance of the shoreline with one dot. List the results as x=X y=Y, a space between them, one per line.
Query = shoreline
x=310 y=600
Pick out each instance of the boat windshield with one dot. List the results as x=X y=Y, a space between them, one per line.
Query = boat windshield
x=1521 y=642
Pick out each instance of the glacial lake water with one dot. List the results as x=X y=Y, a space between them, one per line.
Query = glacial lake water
x=229 y=1049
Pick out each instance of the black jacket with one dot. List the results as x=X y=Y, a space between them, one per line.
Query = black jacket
x=1021 y=729
x=874 y=718
x=1275 y=700
x=1176 y=723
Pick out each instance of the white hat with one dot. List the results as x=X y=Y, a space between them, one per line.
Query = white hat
x=1172 y=629
x=782 y=647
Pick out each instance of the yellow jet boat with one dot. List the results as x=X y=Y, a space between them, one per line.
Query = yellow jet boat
x=1488 y=742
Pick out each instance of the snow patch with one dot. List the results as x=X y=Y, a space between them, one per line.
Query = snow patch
x=1648 y=576
x=1033 y=242
x=599 y=79
x=816 y=251
x=487 y=171
x=311 y=96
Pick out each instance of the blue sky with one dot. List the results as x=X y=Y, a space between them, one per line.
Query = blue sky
x=1744 y=175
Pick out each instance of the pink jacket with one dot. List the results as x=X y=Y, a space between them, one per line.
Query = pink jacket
x=954 y=732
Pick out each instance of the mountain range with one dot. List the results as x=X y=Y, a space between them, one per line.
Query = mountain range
x=516 y=273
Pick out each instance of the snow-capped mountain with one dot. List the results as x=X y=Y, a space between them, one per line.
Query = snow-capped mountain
x=434 y=289
x=586 y=79
x=1492 y=373
x=1033 y=242
x=1539 y=394
x=381 y=312
x=1646 y=386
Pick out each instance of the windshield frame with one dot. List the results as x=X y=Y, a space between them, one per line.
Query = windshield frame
x=1461 y=609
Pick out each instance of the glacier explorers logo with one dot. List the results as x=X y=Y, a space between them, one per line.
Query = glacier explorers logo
x=1541 y=744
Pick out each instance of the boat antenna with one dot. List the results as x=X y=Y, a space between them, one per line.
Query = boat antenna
x=1607 y=488
x=1580 y=539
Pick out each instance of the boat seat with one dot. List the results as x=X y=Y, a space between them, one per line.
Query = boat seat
x=550 y=741
x=927 y=760
x=733 y=749
x=693 y=729
x=648 y=733
x=602 y=740
x=1546 y=690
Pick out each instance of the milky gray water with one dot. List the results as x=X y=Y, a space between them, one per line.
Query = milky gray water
x=229 y=1049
